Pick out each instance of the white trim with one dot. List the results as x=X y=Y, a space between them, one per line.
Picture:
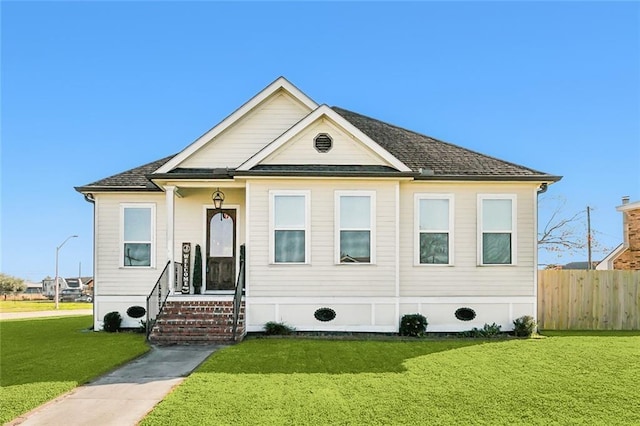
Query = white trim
x=280 y=83
x=323 y=111
x=152 y=261
x=170 y=192
x=306 y=228
x=513 y=231
x=628 y=206
x=535 y=254
x=417 y=197
x=371 y=229
x=206 y=207
x=397 y=258
x=337 y=328
x=607 y=263
x=247 y=248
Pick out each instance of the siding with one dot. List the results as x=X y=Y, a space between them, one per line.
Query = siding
x=345 y=148
x=465 y=278
x=322 y=277
x=111 y=278
x=250 y=134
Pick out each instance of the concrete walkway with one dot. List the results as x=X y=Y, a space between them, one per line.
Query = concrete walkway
x=42 y=314
x=124 y=396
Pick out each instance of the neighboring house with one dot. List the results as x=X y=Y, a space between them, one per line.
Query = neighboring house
x=627 y=255
x=335 y=210
x=49 y=289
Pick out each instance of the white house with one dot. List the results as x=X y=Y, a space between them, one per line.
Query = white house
x=347 y=222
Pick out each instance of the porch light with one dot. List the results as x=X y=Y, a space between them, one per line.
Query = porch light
x=218 y=198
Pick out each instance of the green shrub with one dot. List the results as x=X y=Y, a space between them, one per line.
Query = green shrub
x=413 y=325
x=273 y=328
x=112 y=322
x=524 y=326
x=488 y=330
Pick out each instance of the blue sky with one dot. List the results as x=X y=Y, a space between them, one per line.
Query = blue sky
x=90 y=89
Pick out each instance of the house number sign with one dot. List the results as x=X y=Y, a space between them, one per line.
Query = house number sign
x=186 y=267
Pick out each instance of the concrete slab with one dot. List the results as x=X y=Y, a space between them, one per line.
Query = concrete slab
x=124 y=396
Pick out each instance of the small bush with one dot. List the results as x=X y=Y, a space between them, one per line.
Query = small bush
x=488 y=330
x=524 y=326
x=112 y=322
x=414 y=325
x=273 y=328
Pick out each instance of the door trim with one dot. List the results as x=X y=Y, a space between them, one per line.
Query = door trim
x=206 y=207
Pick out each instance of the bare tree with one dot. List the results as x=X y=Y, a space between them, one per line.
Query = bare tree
x=565 y=233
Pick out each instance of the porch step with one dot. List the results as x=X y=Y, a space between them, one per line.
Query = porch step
x=193 y=322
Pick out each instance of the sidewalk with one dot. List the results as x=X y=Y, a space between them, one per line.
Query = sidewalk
x=124 y=396
x=42 y=314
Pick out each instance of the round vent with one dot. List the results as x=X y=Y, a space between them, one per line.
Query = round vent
x=136 y=311
x=323 y=142
x=465 y=314
x=324 y=314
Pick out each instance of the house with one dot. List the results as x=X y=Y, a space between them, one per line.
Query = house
x=49 y=288
x=331 y=221
x=627 y=255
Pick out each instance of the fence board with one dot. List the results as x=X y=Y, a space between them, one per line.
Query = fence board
x=588 y=300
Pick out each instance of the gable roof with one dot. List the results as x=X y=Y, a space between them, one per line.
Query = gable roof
x=323 y=111
x=279 y=84
x=411 y=153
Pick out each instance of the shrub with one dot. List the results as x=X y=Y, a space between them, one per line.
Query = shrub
x=524 y=326
x=413 y=325
x=112 y=322
x=197 y=271
x=273 y=328
x=487 y=330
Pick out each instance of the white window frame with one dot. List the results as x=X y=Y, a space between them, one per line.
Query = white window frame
x=152 y=249
x=306 y=228
x=416 y=215
x=513 y=230
x=371 y=229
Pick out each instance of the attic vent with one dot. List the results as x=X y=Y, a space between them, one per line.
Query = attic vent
x=323 y=142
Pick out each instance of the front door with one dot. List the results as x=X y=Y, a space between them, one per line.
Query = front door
x=221 y=249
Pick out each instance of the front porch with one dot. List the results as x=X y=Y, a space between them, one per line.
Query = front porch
x=174 y=317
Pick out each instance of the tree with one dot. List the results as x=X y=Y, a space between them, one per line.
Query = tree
x=197 y=271
x=9 y=284
x=565 y=233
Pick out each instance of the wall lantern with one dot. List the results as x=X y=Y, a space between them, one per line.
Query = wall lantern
x=218 y=198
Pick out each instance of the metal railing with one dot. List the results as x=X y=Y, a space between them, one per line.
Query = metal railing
x=237 y=298
x=158 y=296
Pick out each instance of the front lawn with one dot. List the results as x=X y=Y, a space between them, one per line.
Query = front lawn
x=43 y=358
x=552 y=380
x=39 y=305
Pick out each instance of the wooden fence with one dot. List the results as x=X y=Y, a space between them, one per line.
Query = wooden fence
x=588 y=300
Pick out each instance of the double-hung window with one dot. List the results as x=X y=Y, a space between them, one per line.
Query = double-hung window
x=355 y=226
x=434 y=229
x=137 y=235
x=497 y=229
x=290 y=226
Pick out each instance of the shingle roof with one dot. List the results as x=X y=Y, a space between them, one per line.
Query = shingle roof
x=429 y=158
x=419 y=151
x=134 y=179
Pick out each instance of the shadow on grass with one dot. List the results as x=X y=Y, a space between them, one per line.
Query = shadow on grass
x=590 y=333
x=289 y=356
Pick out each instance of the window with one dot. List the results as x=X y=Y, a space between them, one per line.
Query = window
x=496 y=233
x=355 y=225
x=434 y=229
x=138 y=230
x=290 y=226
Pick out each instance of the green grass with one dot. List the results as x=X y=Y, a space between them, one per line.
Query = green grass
x=7 y=306
x=43 y=358
x=553 y=380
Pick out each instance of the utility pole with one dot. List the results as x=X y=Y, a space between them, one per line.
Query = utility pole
x=589 y=238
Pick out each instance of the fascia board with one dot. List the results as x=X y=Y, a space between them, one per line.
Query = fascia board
x=278 y=84
x=323 y=110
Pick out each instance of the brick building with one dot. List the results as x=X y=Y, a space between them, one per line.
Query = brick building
x=627 y=255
